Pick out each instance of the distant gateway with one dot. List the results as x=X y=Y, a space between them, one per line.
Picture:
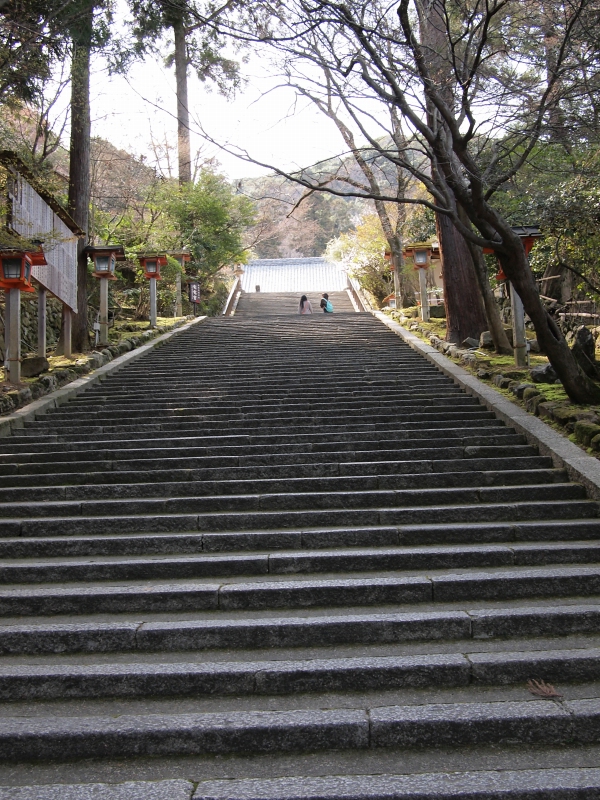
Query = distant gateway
x=293 y=275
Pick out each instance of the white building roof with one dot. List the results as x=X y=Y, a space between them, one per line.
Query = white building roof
x=293 y=275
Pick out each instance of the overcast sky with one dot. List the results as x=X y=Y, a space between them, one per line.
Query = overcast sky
x=266 y=121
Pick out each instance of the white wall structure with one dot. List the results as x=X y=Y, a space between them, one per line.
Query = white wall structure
x=293 y=275
x=33 y=217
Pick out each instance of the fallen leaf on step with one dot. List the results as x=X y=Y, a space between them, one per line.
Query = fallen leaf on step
x=542 y=689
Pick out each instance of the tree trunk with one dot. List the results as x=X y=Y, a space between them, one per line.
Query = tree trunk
x=79 y=172
x=183 y=114
x=492 y=312
x=465 y=316
x=579 y=387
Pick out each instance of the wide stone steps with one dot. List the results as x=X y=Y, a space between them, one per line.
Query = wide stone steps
x=409 y=726
x=380 y=498
x=210 y=555
x=26 y=681
x=565 y=540
x=237 y=631
x=523 y=784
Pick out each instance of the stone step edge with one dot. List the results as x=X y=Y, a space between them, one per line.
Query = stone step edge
x=558 y=784
x=133 y=680
x=555 y=784
x=17 y=419
x=175 y=789
x=144 y=636
x=580 y=466
x=406 y=726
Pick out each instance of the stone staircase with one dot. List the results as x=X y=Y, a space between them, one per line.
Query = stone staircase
x=286 y=558
x=261 y=304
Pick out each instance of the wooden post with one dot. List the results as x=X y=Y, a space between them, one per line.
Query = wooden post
x=423 y=291
x=153 y=302
x=103 y=311
x=178 y=301
x=518 y=326
x=6 y=331
x=67 y=319
x=14 y=349
x=396 y=267
x=41 y=338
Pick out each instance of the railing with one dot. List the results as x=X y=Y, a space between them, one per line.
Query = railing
x=230 y=303
x=356 y=292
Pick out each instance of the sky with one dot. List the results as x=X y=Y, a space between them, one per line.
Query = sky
x=131 y=111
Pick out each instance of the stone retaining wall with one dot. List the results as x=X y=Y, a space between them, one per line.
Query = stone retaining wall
x=29 y=322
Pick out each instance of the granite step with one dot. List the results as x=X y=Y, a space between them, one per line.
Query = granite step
x=413 y=726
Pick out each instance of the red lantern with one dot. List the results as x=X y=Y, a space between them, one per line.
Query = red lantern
x=151 y=266
x=15 y=270
x=105 y=259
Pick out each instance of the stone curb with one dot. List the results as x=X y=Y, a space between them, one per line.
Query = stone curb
x=580 y=467
x=54 y=399
x=137 y=790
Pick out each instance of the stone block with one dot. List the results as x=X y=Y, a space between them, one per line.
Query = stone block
x=546 y=408
x=484 y=374
x=543 y=373
x=530 y=392
x=96 y=359
x=7 y=403
x=485 y=341
x=586 y=431
x=49 y=382
x=534 y=346
x=520 y=389
x=33 y=366
x=532 y=403
x=469 y=342
x=25 y=396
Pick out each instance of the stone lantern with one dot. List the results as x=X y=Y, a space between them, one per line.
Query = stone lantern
x=105 y=259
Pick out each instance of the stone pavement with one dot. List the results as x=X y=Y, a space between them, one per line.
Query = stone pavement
x=284 y=557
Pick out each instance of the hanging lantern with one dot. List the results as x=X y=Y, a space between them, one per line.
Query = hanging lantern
x=421 y=258
x=181 y=256
x=151 y=265
x=15 y=270
x=105 y=260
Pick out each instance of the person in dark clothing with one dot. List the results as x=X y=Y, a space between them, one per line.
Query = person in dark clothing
x=326 y=304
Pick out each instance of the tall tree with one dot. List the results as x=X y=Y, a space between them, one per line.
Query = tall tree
x=504 y=101
x=79 y=164
x=196 y=42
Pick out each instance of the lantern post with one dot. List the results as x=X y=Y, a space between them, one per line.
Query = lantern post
x=182 y=257
x=105 y=258
x=15 y=277
x=421 y=256
x=528 y=235
x=151 y=263
x=393 y=262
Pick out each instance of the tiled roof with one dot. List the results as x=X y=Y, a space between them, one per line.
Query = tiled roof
x=293 y=275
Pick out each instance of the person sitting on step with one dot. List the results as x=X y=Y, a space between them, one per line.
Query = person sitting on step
x=305 y=306
x=326 y=304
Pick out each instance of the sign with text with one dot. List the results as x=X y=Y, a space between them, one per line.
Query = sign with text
x=194 y=292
